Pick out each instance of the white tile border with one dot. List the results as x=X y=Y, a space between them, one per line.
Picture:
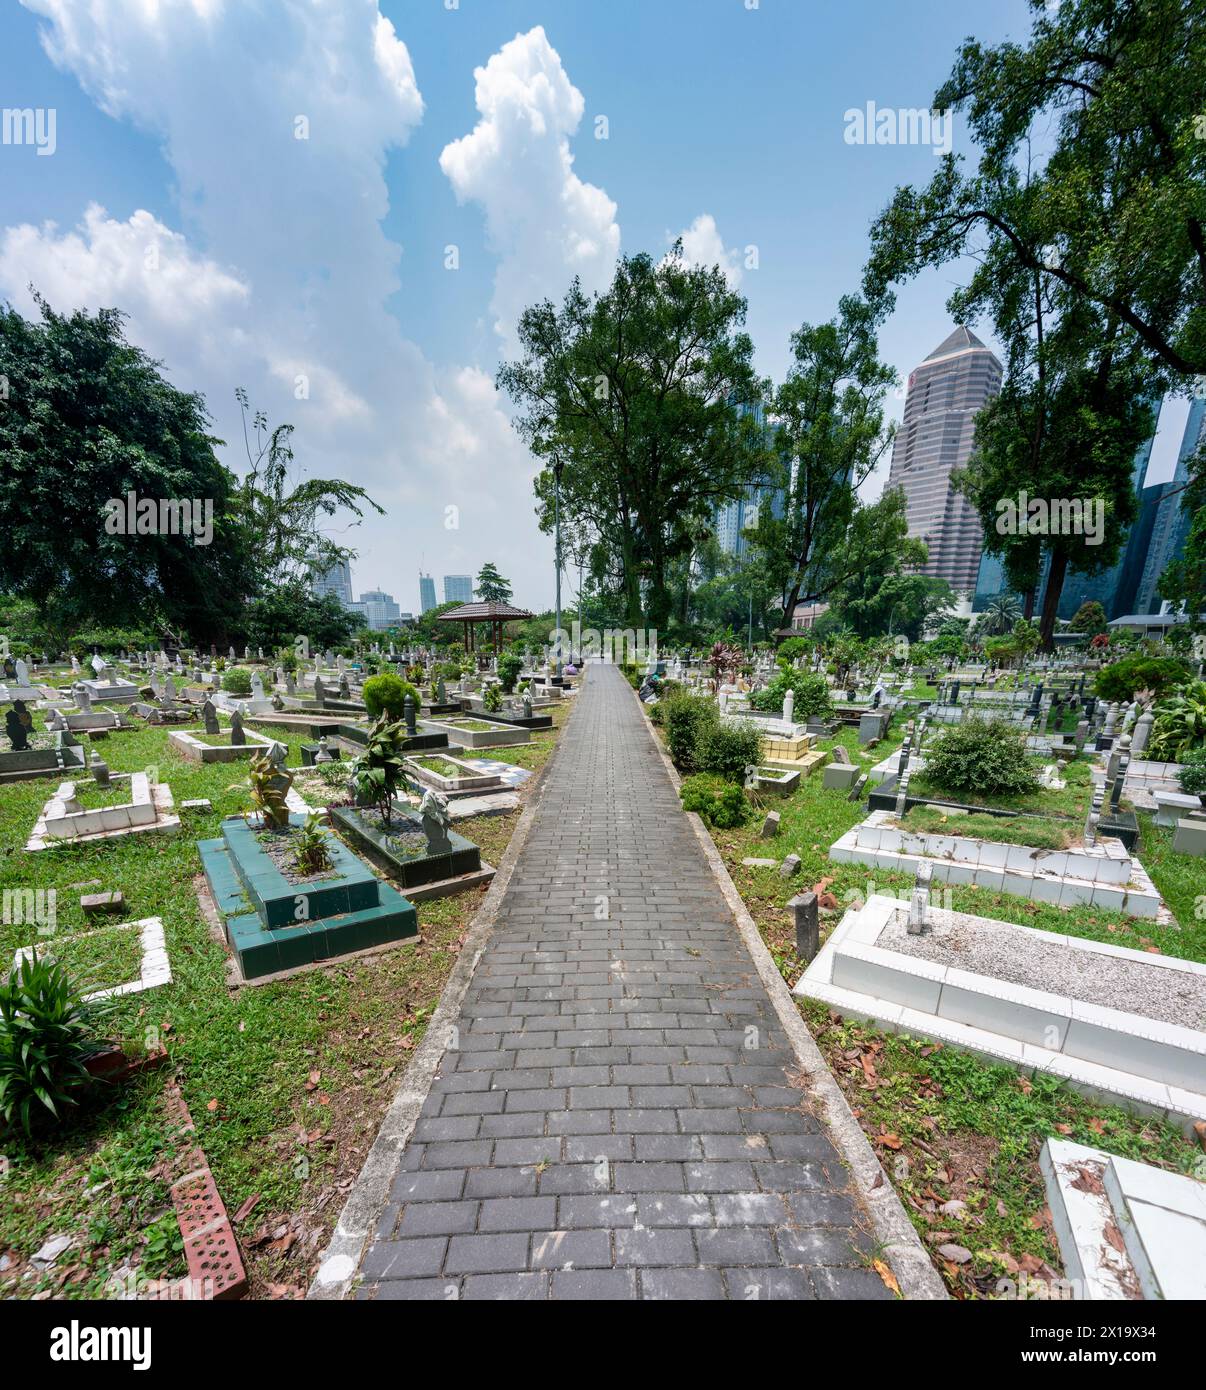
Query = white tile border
x=154 y=971
x=160 y=799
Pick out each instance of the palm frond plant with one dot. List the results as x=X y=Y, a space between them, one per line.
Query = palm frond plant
x=379 y=772
x=1180 y=727
x=311 y=846
x=48 y=1030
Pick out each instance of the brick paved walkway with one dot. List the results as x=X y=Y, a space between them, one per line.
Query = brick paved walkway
x=617 y=1120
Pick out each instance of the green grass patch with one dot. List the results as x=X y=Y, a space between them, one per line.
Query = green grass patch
x=102 y=958
x=1008 y=830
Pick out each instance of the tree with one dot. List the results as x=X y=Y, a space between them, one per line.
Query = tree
x=491 y=586
x=876 y=601
x=282 y=516
x=288 y=610
x=643 y=395
x=1116 y=215
x=999 y=616
x=88 y=422
x=1089 y=618
x=831 y=435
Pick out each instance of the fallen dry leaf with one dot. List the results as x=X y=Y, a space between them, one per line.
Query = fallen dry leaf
x=886 y=1275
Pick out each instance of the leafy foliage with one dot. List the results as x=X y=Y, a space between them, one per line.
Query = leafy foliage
x=311 y=846
x=728 y=749
x=491 y=587
x=811 y=692
x=509 y=667
x=379 y=771
x=1121 y=679
x=47 y=1032
x=684 y=718
x=1192 y=775
x=981 y=755
x=492 y=699
x=237 y=681
x=722 y=804
x=1180 y=727
x=268 y=791
x=386 y=695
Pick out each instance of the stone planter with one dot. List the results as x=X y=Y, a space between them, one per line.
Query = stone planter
x=412 y=866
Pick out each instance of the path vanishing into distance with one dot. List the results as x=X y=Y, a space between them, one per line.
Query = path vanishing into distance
x=615 y=1118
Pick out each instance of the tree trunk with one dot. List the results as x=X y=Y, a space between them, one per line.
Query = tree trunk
x=1055 y=585
x=1028 y=604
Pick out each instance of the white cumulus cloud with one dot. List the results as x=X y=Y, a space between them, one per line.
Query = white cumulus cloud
x=545 y=224
x=703 y=245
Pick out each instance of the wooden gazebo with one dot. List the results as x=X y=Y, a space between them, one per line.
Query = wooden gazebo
x=494 y=613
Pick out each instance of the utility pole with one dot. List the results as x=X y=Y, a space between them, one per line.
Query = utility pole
x=557 y=467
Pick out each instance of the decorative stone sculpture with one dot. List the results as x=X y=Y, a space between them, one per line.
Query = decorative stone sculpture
x=433 y=810
x=17 y=725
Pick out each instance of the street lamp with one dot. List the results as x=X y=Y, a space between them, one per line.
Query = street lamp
x=557 y=467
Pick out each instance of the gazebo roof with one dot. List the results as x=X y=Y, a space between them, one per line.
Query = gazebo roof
x=483 y=613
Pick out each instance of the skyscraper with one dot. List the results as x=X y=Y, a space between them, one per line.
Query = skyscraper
x=458 y=588
x=1172 y=520
x=337 y=580
x=427 y=598
x=934 y=441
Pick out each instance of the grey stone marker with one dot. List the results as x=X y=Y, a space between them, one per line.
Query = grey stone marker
x=237 y=735
x=408 y=707
x=210 y=715
x=770 y=826
x=808 y=925
x=840 y=755
x=789 y=866
x=919 y=904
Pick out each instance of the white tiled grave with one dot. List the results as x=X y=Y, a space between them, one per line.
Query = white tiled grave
x=1105 y=874
x=1100 y=1202
x=155 y=968
x=1102 y=1021
x=150 y=807
x=198 y=751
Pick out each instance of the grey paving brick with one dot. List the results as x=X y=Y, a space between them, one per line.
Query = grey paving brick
x=488 y=1254
x=850 y=1283
x=596 y=1285
x=613 y=1209
x=501 y=1182
x=791 y=1285
x=437 y=1218
x=518 y=1214
x=682 y=1284
x=571 y=1250
x=403 y=1259
x=655 y=1246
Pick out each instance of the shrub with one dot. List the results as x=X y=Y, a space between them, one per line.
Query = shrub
x=311 y=846
x=981 y=755
x=728 y=749
x=665 y=691
x=47 y=1032
x=509 y=667
x=1192 y=776
x=789 y=650
x=492 y=699
x=722 y=804
x=1180 y=727
x=1121 y=679
x=386 y=695
x=379 y=771
x=237 y=681
x=686 y=716
x=812 y=694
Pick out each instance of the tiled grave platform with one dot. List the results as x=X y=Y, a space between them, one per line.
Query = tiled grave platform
x=1126 y=1230
x=273 y=924
x=972 y=982
x=1104 y=874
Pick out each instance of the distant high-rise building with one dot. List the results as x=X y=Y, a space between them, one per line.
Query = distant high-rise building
x=732 y=519
x=379 y=608
x=427 y=598
x=1171 y=526
x=458 y=588
x=337 y=580
x=935 y=440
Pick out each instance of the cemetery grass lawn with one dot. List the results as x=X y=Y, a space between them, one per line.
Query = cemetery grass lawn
x=286 y=1082
x=1071 y=800
x=946 y=1125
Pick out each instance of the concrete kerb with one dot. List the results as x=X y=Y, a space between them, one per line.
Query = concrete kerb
x=901 y=1244
x=340 y=1263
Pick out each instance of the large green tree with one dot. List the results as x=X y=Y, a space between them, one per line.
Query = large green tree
x=1091 y=171
x=830 y=436
x=636 y=393
x=491 y=586
x=89 y=419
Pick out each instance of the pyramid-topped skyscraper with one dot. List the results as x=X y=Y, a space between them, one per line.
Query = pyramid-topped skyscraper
x=934 y=441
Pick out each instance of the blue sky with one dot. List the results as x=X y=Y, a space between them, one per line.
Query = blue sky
x=276 y=259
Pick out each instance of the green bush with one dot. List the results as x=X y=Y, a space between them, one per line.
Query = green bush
x=685 y=718
x=1192 y=776
x=665 y=691
x=727 y=750
x=386 y=694
x=237 y=681
x=1121 y=679
x=492 y=699
x=1180 y=727
x=509 y=667
x=722 y=804
x=47 y=1032
x=812 y=694
x=981 y=755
